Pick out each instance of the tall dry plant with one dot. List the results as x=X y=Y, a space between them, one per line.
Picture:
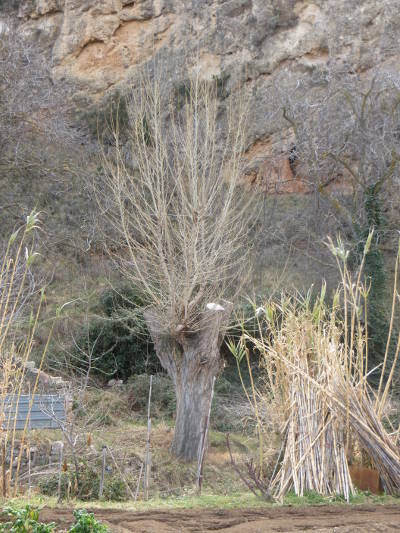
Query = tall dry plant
x=181 y=228
x=316 y=368
x=16 y=349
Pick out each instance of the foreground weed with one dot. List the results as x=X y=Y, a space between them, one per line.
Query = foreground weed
x=86 y=523
x=25 y=520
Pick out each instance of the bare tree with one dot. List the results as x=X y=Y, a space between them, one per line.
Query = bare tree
x=346 y=149
x=346 y=134
x=182 y=228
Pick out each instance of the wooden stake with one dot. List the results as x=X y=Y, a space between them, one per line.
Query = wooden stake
x=147 y=468
x=203 y=443
x=147 y=475
x=60 y=465
x=138 y=483
x=3 y=453
x=103 y=469
x=29 y=470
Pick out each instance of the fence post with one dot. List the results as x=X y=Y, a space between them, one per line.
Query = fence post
x=3 y=467
x=103 y=469
x=203 y=444
x=60 y=468
x=29 y=453
x=147 y=467
x=28 y=450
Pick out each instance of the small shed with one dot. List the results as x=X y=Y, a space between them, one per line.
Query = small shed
x=41 y=411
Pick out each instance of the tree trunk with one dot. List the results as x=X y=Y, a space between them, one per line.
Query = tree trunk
x=192 y=360
x=193 y=389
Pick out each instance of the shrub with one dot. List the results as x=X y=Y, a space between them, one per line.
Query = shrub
x=9 y=5
x=106 y=406
x=119 y=342
x=223 y=416
x=115 y=490
x=374 y=273
x=111 y=112
x=88 y=488
x=163 y=402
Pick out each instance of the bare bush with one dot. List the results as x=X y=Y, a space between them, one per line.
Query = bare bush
x=40 y=146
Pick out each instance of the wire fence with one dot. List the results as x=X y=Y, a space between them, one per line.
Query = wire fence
x=75 y=466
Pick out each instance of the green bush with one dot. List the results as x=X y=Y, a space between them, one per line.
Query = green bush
x=25 y=520
x=9 y=5
x=374 y=274
x=88 y=488
x=115 y=490
x=86 y=523
x=223 y=417
x=103 y=405
x=120 y=342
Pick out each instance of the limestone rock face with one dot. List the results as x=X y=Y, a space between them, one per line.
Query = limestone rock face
x=256 y=43
x=101 y=41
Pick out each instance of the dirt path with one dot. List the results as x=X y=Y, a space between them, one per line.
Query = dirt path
x=338 y=519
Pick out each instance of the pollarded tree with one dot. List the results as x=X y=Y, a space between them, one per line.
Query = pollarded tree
x=182 y=230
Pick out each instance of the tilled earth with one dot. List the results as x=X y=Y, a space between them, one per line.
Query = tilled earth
x=335 y=518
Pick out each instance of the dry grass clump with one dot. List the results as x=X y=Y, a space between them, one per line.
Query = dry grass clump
x=315 y=361
x=298 y=366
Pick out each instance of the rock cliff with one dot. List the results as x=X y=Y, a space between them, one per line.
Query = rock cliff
x=99 y=44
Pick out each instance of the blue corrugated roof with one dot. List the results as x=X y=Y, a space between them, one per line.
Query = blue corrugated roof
x=47 y=411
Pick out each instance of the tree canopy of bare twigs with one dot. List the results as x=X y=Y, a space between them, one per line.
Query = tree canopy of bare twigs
x=348 y=131
x=172 y=197
x=347 y=149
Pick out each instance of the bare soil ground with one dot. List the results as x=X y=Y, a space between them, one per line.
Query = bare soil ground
x=326 y=518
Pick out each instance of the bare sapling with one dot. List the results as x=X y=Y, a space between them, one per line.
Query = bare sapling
x=180 y=224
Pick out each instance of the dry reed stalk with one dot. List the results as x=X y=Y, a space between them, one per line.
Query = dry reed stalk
x=316 y=366
x=14 y=293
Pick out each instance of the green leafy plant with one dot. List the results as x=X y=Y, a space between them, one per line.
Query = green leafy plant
x=87 y=489
x=375 y=272
x=25 y=520
x=86 y=523
x=115 y=490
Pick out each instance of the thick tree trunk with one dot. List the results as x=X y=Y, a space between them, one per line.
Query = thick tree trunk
x=192 y=360
x=193 y=396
